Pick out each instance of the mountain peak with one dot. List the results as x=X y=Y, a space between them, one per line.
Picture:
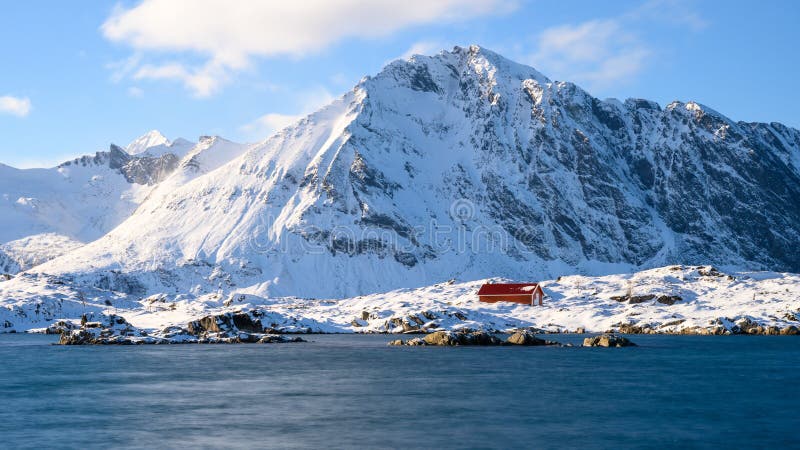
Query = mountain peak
x=150 y=139
x=525 y=178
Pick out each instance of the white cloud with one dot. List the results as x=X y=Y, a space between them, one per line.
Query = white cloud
x=123 y=68
x=203 y=81
x=675 y=12
x=307 y=102
x=230 y=34
x=135 y=92
x=603 y=52
x=268 y=124
x=17 y=106
x=597 y=52
x=423 y=48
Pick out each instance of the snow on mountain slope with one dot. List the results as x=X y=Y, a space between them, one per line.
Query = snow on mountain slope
x=463 y=165
x=46 y=212
x=150 y=139
x=22 y=254
x=81 y=199
x=154 y=144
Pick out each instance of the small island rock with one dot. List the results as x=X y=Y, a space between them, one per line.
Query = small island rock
x=607 y=340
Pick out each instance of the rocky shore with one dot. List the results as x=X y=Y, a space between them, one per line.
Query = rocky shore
x=228 y=328
x=475 y=338
x=684 y=300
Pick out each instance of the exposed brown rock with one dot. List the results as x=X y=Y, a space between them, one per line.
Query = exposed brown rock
x=668 y=299
x=607 y=340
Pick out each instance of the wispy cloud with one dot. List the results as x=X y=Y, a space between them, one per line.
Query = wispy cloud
x=602 y=52
x=676 y=12
x=229 y=35
x=423 y=48
x=307 y=102
x=268 y=124
x=597 y=52
x=135 y=92
x=16 y=106
x=202 y=81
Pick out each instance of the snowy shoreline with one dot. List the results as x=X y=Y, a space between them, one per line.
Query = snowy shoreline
x=667 y=300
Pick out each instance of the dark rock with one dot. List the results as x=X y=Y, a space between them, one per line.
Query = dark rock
x=607 y=340
x=408 y=328
x=60 y=327
x=416 y=319
x=278 y=338
x=442 y=338
x=640 y=298
x=527 y=338
x=790 y=330
x=629 y=328
x=225 y=323
x=475 y=338
x=633 y=298
x=668 y=299
x=480 y=338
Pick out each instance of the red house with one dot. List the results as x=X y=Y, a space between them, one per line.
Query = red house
x=525 y=293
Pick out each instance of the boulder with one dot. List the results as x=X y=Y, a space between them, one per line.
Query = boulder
x=525 y=337
x=629 y=328
x=640 y=298
x=225 y=323
x=607 y=340
x=416 y=319
x=480 y=338
x=668 y=299
x=790 y=330
x=60 y=327
x=278 y=339
x=442 y=338
x=408 y=328
x=415 y=341
x=633 y=298
x=78 y=337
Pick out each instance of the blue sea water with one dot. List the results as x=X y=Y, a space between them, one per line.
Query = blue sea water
x=344 y=391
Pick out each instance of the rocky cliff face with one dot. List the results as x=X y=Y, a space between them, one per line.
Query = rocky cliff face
x=144 y=169
x=465 y=165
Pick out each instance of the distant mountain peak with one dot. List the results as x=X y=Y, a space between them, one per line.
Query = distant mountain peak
x=152 y=138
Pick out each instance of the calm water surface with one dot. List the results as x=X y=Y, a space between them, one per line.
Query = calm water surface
x=354 y=392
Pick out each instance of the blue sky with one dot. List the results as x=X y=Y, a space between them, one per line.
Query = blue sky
x=77 y=76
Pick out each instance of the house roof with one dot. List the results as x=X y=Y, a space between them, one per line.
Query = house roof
x=508 y=289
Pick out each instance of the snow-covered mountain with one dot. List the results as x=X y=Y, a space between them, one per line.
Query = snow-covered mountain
x=48 y=212
x=154 y=144
x=462 y=165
